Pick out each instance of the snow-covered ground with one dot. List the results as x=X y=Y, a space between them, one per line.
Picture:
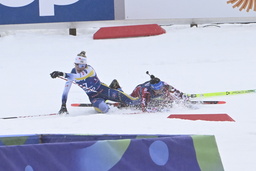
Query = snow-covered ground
x=194 y=60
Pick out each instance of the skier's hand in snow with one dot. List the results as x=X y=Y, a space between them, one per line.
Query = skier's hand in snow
x=151 y=110
x=63 y=109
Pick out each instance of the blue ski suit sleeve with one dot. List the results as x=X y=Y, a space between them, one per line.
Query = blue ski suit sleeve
x=68 y=84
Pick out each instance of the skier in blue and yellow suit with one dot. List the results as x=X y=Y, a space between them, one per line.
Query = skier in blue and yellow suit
x=85 y=76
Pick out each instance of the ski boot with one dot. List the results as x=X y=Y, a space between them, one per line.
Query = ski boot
x=115 y=85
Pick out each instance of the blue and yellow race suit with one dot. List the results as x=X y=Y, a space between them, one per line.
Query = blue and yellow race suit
x=97 y=91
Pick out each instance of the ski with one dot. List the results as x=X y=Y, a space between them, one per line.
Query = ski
x=224 y=93
x=208 y=102
x=117 y=104
x=29 y=116
x=90 y=105
x=81 y=105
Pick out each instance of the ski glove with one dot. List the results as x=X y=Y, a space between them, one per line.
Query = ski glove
x=63 y=109
x=56 y=74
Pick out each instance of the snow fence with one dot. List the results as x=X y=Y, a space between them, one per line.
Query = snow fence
x=63 y=152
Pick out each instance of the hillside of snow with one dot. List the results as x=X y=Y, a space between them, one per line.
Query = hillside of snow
x=194 y=60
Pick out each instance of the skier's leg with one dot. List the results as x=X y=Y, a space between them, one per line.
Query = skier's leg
x=100 y=105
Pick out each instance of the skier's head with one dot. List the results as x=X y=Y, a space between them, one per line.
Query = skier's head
x=81 y=60
x=156 y=84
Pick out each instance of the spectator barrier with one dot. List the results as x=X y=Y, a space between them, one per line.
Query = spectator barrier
x=111 y=152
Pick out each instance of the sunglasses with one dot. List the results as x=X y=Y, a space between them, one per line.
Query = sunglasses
x=81 y=65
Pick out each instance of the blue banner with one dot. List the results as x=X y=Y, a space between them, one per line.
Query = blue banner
x=182 y=152
x=47 y=11
x=19 y=139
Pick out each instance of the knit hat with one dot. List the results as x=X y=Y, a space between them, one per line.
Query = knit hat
x=81 y=58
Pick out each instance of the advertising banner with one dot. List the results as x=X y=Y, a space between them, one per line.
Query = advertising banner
x=174 y=152
x=46 y=11
x=166 y=9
